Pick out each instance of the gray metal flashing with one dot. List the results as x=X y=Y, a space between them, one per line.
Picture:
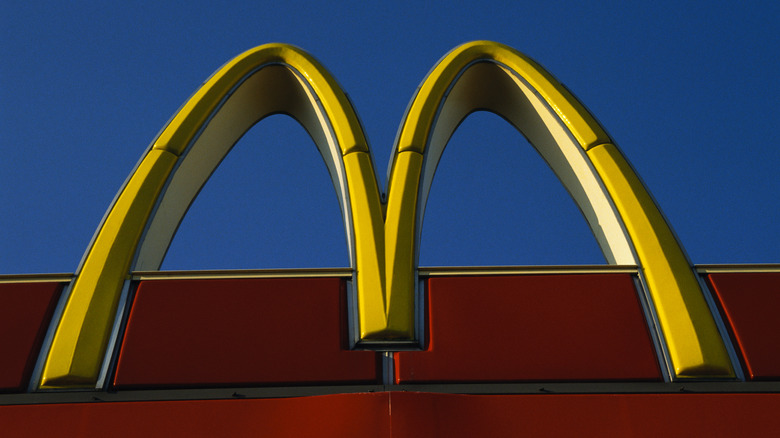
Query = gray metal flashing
x=36 y=278
x=526 y=388
x=424 y=271
x=441 y=271
x=248 y=273
x=734 y=268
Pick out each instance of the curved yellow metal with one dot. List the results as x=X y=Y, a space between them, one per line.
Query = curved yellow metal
x=485 y=75
x=383 y=246
x=694 y=344
x=80 y=340
x=268 y=79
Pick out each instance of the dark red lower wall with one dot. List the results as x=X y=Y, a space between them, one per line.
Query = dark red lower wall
x=399 y=414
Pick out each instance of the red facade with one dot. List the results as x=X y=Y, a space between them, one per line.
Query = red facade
x=504 y=355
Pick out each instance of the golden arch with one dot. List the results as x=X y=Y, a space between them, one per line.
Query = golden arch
x=624 y=219
x=383 y=247
x=139 y=226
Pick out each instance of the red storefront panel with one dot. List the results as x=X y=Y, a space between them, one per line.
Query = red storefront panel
x=751 y=302
x=25 y=313
x=240 y=332
x=532 y=327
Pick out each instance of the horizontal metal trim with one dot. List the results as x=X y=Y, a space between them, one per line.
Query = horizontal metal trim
x=428 y=271
x=346 y=272
x=595 y=387
x=58 y=396
x=525 y=270
x=36 y=278
x=248 y=273
x=549 y=388
x=735 y=268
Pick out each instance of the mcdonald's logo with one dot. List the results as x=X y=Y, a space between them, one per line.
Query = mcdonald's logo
x=383 y=236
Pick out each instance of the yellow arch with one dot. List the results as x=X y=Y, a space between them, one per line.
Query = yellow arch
x=138 y=228
x=383 y=248
x=625 y=220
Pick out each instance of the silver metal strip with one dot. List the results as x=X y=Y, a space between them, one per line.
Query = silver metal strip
x=36 y=278
x=420 y=312
x=43 y=354
x=656 y=334
x=388 y=368
x=722 y=330
x=735 y=268
x=249 y=273
x=517 y=388
x=353 y=322
x=525 y=270
x=428 y=271
x=113 y=342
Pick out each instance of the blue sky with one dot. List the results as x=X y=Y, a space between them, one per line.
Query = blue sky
x=688 y=90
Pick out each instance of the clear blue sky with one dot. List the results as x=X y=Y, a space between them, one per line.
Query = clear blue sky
x=688 y=90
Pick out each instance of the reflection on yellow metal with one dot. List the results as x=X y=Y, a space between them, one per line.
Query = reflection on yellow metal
x=461 y=83
x=195 y=113
x=80 y=341
x=420 y=117
x=400 y=243
x=263 y=81
x=382 y=239
x=369 y=244
x=695 y=347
